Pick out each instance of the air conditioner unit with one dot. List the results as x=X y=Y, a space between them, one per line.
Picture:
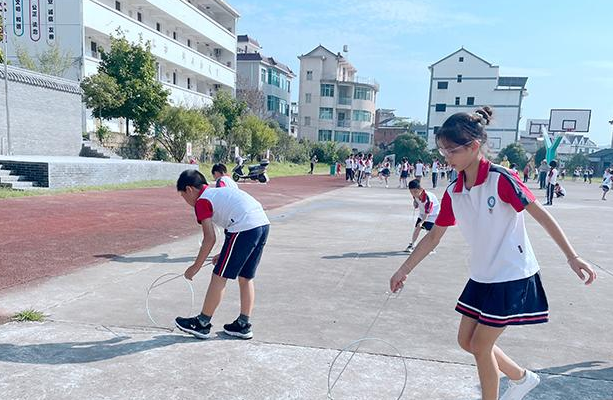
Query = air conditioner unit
x=217 y=52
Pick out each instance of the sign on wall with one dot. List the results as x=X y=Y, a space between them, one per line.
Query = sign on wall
x=18 y=17
x=35 y=20
x=51 y=22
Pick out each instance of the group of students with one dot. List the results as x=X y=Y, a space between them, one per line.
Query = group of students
x=358 y=168
x=486 y=201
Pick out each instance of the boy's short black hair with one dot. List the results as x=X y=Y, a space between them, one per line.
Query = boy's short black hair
x=553 y=164
x=219 y=167
x=190 y=177
x=414 y=184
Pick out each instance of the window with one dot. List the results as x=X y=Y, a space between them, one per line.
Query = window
x=117 y=6
x=307 y=98
x=362 y=93
x=461 y=59
x=275 y=104
x=459 y=78
x=309 y=75
x=94 y=48
x=158 y=27
x=139 y=16
x=324 y=135
x=443 y=85
x=362 y=115
x=174 y=78
x=189 y=43
x=174 y=35
x=325 y=113
x=457 y=101
x=274 y=77
x=441 y=107
x=342 y=136
x=470 y=101
x=327 y=90
x=263 y=75
x=360 y=137
x=189 y=83
x=307 y=121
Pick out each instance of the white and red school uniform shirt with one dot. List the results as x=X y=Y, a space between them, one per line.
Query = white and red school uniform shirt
x=360 y=165
x=226 y=181
x=435 y=167
x=552 y=177
x=348 y=163
x=491 y=220
x=607 y=181
x=368 y=166
x=428 y=206
x=419 y=169
x=233 y=210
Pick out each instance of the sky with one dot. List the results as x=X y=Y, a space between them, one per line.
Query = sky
x=565 y=48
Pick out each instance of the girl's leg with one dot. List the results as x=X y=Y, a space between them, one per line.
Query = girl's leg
x=505 y=363
x=482 y=346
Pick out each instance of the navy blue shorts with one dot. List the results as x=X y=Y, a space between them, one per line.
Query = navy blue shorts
x=519 y=302
x=241 y=253
x=426 y=225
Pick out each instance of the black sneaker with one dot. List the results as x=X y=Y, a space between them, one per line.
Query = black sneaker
x=238 y=330
x=194 y=327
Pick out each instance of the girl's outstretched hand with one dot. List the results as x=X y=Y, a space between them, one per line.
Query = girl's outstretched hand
x=582 y=269
x=397 y=280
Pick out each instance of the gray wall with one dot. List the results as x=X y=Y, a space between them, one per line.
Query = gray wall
x=45 y=114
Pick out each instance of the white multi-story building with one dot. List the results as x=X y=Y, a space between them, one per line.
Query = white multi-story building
x=193 y=41
x=335 y=104
x=264 y=80
x=463 y=82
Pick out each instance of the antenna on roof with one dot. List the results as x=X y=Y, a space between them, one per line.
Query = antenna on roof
x=345 y=48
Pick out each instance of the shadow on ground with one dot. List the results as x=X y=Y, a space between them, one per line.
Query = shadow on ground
x=162 y=258
x=376 y=254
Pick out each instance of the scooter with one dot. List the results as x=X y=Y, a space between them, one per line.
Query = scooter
x=256 y=172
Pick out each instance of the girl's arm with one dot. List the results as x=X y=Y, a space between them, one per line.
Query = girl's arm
x=578 y=265
x=424 y=247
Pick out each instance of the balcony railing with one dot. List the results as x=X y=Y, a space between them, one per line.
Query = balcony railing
x=346 y=101
x=343 y=123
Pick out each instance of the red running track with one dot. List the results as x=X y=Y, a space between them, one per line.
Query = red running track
x=44 y=236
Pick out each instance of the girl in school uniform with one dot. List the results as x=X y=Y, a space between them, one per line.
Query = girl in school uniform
x=486 y=201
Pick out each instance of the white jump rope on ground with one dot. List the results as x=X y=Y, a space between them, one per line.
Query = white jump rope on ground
x=171 y=276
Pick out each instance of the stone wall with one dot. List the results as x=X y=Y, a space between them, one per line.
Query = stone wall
x=45 y=114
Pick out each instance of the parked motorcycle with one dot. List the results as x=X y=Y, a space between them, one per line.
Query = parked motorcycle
x=255 y=172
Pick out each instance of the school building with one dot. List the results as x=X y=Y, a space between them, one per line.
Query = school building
x=193 y=41
x=334 y=103
x=463 y=82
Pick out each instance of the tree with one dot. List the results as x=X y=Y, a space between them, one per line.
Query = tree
x=178 y=125
x=132 y=66
x=232 y=110
x=51 y=61
x=412 y=147
x=252 y=96
x=263 y=137
x=540 y=155
x=100 y=92
x=578 y=160
x=515 y=153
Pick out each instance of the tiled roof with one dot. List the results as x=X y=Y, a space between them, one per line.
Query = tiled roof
x=41 y=80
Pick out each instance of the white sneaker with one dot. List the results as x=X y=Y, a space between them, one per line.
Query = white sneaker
x=433 y=252
x=517 y=390
x=409 y=249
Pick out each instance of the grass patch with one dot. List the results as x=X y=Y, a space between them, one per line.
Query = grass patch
x=29 y=315
x=9 y=193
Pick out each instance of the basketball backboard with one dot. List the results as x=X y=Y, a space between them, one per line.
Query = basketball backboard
x=569 y=120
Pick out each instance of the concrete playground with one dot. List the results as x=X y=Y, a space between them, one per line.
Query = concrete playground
x=323 y=279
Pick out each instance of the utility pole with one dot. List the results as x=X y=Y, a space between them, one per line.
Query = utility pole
x=6 y=76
